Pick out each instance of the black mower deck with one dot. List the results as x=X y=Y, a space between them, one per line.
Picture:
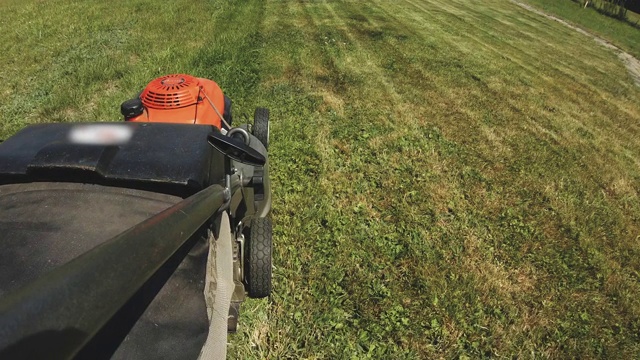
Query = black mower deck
x=62 y=199
x=167 y=158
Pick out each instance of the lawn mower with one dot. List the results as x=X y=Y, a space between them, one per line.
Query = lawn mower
x=137 y=239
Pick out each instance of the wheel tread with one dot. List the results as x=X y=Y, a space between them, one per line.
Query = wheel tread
x=259 y=258
x=261 y=126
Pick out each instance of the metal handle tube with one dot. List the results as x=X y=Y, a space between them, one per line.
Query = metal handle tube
x=64 y=309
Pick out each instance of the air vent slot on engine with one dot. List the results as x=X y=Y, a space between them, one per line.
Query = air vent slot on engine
x=171 y=92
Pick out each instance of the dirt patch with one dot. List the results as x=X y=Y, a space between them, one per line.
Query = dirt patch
x=632 y=64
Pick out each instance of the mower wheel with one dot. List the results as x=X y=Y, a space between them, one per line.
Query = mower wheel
x=261 y=126
x=257 y=263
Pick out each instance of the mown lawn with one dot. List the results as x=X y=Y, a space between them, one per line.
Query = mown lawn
x=452 y=179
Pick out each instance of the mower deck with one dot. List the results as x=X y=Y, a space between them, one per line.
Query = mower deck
x=165 y=158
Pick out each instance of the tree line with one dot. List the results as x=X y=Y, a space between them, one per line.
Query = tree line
x=614 y=8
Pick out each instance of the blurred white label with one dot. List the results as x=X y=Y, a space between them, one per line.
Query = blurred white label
x=98 y=134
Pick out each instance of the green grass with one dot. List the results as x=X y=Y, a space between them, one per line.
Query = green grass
x=624 y=34
x=70 y=61
x=451 y=179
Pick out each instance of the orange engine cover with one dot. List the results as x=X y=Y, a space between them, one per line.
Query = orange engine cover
x=182 y=98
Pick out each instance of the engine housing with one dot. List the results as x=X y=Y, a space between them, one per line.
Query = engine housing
x=178 y=98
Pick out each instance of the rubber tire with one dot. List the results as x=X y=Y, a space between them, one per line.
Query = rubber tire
x=257 y=262
x=261 y=126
